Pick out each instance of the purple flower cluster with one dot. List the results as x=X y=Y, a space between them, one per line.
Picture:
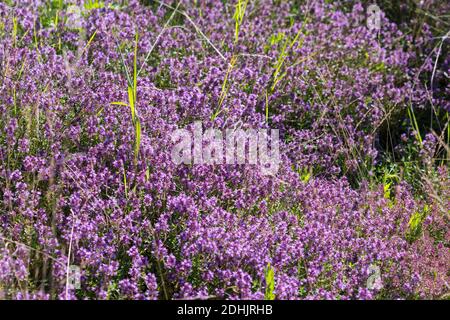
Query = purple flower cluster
x=72 y=191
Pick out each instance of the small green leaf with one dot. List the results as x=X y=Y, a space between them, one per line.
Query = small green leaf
x=131 y=102
x=306 y=176
x=270 y=283
x=387 y=190
x=118 y=103
x=138 y=138
x=415 y=223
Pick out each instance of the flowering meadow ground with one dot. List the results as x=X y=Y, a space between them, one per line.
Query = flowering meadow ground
x=92 y=205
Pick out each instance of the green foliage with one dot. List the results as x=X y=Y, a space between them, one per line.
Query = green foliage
x=93 y=4
x=287 y=45
x=49 y=12
x=415 y=224
x=306 y=175
x=238 y=17
x=132 y=100
x=389 y=178
x=270 y=283
x=225 y=88
x=276 y=38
